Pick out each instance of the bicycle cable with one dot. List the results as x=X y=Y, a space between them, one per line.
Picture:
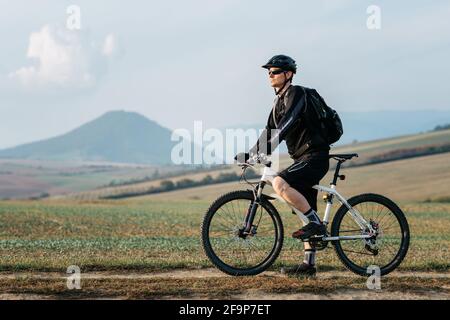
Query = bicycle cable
x=244 y=177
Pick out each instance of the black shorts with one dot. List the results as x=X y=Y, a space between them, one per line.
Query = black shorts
x=305 y=173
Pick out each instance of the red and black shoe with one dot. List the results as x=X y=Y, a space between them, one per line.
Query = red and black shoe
x=311 y=229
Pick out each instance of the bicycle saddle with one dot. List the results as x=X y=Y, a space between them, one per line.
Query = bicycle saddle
x=343 y=156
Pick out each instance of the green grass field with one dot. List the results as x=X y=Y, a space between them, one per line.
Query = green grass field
x=163 y=235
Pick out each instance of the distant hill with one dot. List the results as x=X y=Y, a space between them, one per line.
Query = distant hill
x=116 y=136
x=442 y=127
x=365 y=126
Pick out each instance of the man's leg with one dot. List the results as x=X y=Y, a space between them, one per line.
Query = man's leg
x=296 y=199
x=284 y=190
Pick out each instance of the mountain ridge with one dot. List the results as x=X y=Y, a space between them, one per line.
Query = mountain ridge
x=116 y=136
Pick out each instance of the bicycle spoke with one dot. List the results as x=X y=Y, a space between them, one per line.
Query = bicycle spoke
x=381 y=221
x=225 y=217
x=233 y=214
x=357 y=230
x=379 y=213
x=390 y=225
x=236 y=218
x=222 y=231
x=360 y=252
x=227 y=224
x=215 y=229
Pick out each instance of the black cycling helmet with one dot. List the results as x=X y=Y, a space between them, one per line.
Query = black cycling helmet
x=283 y=62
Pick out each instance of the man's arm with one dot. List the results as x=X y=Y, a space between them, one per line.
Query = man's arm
x=263 y=144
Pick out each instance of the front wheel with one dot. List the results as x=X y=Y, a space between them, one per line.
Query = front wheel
x=388 y=246
x=228 y=248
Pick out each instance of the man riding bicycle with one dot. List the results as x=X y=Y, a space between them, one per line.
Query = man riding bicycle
x=305 y=146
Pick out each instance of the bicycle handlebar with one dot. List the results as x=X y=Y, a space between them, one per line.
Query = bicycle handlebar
x=257 y=158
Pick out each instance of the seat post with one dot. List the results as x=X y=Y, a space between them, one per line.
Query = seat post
x=336 y=172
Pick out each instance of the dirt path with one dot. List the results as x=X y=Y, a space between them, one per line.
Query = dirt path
x=204 y=273
x=439 y=291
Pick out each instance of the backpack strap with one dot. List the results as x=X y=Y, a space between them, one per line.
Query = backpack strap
x=309 y=121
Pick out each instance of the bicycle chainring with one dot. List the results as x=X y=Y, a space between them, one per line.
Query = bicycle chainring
x=317 y=242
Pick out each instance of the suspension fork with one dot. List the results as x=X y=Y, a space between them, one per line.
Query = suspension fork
x=253 y=207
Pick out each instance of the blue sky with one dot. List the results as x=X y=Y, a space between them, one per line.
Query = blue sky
x=180 y=61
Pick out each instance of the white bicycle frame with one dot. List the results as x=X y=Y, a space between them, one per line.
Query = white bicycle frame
x=268 y=174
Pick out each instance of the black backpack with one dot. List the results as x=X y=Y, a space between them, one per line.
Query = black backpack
x=328 y=123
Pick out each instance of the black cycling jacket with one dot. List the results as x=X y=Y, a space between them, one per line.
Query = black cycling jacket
x=291 y=117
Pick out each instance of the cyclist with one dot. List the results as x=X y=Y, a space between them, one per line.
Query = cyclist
x=306 y=147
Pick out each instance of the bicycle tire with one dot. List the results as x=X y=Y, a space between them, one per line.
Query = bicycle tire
x=216 y=260
x=401 y=219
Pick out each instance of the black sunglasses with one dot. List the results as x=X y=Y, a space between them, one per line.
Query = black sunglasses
x=276 y=72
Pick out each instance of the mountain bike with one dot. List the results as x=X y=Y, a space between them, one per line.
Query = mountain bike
x=242 y=231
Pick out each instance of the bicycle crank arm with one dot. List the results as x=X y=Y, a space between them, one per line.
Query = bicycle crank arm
x=338 y=238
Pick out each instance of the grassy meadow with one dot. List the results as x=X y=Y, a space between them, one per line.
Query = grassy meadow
x=157 y=235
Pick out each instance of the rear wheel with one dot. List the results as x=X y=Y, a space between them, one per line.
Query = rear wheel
x=228 y=248
x=386 y=249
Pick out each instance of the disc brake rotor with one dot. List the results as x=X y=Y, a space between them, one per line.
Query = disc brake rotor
x=372 y=244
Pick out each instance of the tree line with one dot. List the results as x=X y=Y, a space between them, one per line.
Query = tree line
x=169 y=185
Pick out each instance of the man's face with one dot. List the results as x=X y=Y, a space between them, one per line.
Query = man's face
x=277 y=79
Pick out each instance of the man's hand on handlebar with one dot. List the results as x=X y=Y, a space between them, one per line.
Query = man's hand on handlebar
x=245 y=157
x=242 y=157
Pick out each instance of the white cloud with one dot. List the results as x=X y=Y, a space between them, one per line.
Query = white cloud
x=64 y=59
x=110 y=45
